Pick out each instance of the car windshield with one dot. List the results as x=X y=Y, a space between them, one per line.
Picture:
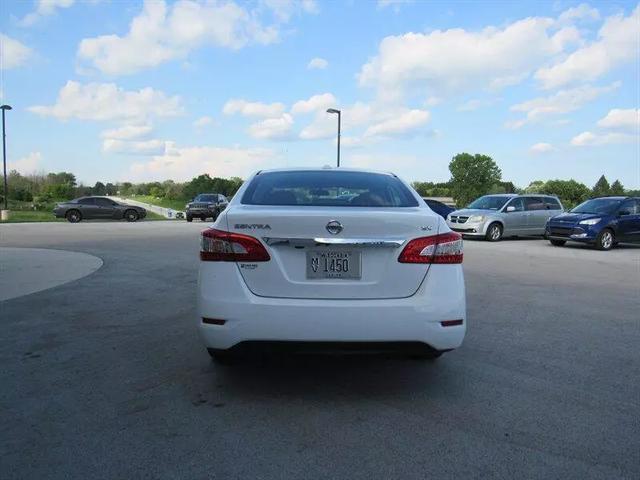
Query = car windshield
x=328 y=188
x=604 y=206
x=206 y=198
x=489 y=202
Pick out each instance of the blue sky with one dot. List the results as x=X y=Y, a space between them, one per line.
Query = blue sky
x=115 y=90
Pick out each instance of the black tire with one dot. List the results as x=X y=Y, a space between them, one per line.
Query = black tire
x=222 y=357
x=189 y=218
x=131 y=216
x=73 y=216
x=203 y=218
x=606 y=239
x=557 y=243
x=494 y=232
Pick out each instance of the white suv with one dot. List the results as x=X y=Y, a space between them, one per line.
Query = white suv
x=336 y=258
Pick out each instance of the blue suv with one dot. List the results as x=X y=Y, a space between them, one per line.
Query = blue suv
x=602 y=222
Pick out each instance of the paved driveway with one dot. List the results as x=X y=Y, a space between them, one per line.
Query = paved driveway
x=105 y=377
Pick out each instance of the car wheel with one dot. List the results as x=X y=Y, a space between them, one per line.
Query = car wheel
x=131 y=215
x=558 y=243
x=203 y=218
x=494 y=232
x=73 y=216
x=189 y=218
x=606 y=239
x=222 y=357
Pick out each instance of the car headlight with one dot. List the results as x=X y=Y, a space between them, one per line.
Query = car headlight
x=476 y=218
x=591 y=221
x=187 y=205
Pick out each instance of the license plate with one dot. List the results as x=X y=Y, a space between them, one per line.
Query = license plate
x=333 y=264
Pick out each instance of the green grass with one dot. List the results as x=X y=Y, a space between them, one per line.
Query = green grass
x=20 y=216
x=161 y=202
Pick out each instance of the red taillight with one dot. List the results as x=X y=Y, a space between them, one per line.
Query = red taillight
x=219 y=246
x=443 y=248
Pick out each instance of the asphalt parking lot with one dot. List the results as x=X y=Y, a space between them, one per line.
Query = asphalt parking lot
x=105 y=376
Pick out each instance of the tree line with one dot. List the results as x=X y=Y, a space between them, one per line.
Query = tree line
x=472 y=175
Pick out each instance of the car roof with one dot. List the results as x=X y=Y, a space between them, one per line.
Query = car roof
x=613 y=197
x=326 y=168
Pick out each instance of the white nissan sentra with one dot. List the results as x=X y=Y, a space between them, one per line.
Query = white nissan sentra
x=339 y=259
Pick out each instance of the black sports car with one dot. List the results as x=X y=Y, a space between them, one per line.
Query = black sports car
x=90 y=208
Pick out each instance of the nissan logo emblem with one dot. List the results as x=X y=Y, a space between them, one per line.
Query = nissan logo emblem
x=334 y=227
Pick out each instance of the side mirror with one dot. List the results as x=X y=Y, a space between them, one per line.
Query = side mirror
x=511 y=208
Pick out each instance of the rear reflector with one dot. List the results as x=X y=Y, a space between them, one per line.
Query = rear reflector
x=443 y=248
x=213 y=321
x=451 y=323
x=220 y=246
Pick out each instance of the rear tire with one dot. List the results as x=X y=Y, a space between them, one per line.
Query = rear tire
x=222 y=357
x=189 y=218
x=131 y=216
x=558 y=243
x=605 y=240
x=73 y=216
x=494 y=232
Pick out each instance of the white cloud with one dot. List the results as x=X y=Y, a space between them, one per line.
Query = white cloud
x=589 y=139
x=393 y=3
x=203 y=122
x=317 y=64
x=253 y=109
x=617 y=44
x=27 y=164
x=273 y=128
x=184 y=163
x=127 y=132
x=456 y=59
x=474 y=104
x=141 y=147
x=433 y=101
x=314 y=104
x=160 y=34
x=285 y=9
x=619 y=118
x=107 y=101
x=542 y=148
x=12 y=53
x=44 y=8
x=404 y=123
x=581 y=12
x=564 y=101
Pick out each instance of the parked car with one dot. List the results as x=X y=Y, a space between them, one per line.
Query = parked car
x=440 y=208
x=496 y=216
x=602 y=222
x=292 y=261
x=205 y=205
x=91 y=208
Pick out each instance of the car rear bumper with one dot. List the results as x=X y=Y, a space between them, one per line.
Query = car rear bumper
x=223 y=295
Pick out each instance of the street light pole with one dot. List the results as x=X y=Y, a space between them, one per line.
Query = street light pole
x=333 y=110
x=4 y=156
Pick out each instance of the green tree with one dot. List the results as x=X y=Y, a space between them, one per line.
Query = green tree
x=601 y=188
x=472 y=176
x=569 y=191
x=616 y=188
x=110 y=189
x=99 y=189
x=537 y=186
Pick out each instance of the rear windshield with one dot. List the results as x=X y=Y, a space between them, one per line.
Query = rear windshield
x=330 y=188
